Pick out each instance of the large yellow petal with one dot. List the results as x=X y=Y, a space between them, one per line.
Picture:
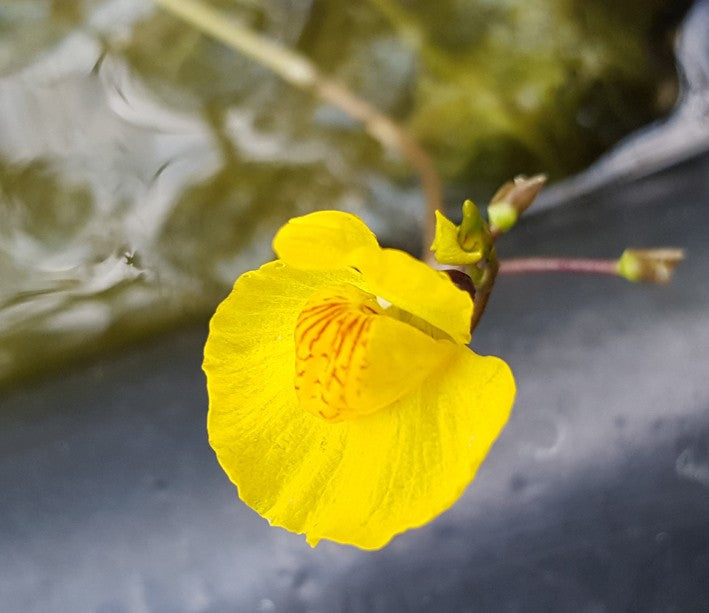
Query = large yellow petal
x=401 y=467
x=416 y=288
x=359 y=481
x=322 y=240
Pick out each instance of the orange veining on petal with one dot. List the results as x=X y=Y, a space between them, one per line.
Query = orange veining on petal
x=331 y=336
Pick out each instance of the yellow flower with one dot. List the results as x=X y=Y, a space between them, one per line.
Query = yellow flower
x=343 y=400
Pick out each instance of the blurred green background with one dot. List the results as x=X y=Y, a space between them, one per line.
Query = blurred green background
x=143 y=167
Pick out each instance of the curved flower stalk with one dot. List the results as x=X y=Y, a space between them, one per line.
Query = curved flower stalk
x=344 y=402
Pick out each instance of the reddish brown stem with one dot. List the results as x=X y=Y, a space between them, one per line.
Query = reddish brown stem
x=390 y=134
x=301 y=72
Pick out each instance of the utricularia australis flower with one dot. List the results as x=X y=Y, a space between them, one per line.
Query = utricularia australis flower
x=344 y=401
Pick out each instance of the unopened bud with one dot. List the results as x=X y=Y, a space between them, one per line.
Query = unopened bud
x=512 y=199
x=649 y=265
x=472 y=228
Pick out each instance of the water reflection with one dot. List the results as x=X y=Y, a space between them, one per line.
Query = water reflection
x=143 y=167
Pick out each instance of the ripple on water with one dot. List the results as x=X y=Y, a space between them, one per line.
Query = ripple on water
x=693 y=464
x=542 y=436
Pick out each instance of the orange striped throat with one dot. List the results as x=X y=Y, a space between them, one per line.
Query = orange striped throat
x=331 y=337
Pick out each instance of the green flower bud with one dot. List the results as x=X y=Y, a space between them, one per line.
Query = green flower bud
x=649 y=265
x=512 y=199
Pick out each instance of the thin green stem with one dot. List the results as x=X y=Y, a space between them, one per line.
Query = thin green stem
x=483 y=275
